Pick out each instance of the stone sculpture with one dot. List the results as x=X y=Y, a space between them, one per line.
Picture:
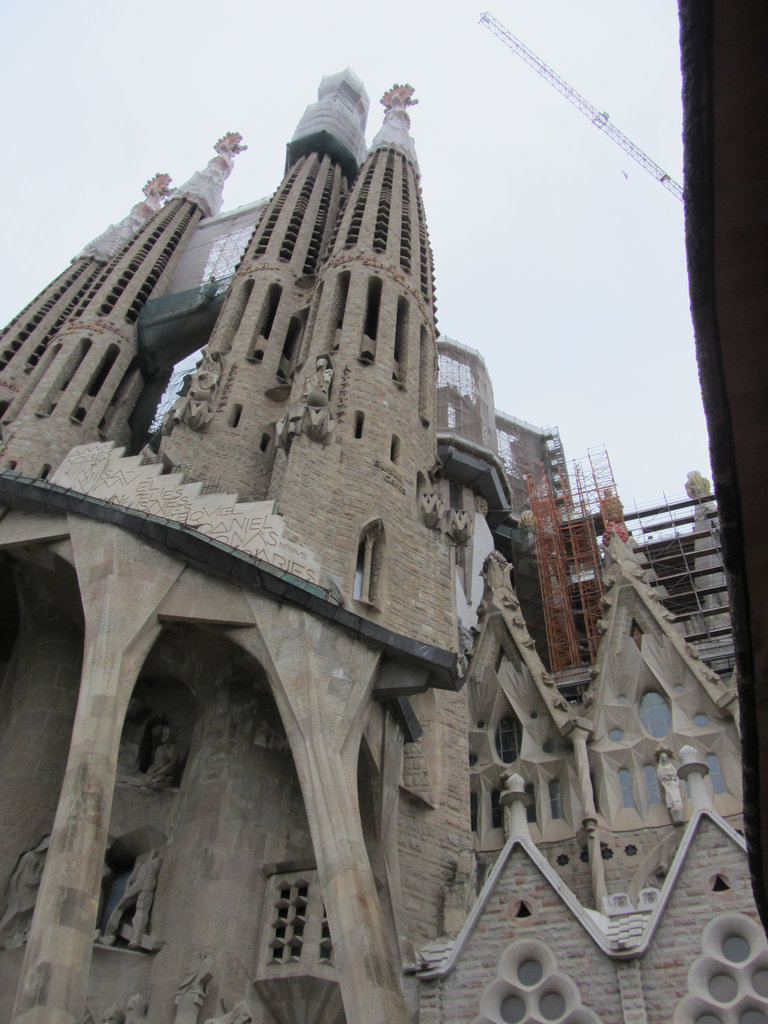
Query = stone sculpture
x=191 y=991
x=670 y=784
x=162 y=771
x=240 y=1013
x=22 y=894
x=139 y=895
x=196 y=407
x=136 y=1009
x=431 y=507
x=697 y=486
x=113 y=1015
x=312 y=415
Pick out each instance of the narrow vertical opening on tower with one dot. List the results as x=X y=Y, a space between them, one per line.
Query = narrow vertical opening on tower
x=368 y=563
x=311 y=321
x=291 y=345
x=235 y=415
x=45 y=471
x=358 y=422
x=270 y=310
x=424 y=376
x=394 y=449
x=264 y=443
x=339 y=308
x=234 y=316
x=102 y=371
x=399 y=361
x=371 y=322
x=65 y=376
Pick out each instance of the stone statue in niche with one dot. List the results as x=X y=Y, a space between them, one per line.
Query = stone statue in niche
x=161 y=773
x=311 y=416
x=670 y=784
x=22 y=895
x=196 y=407
x=138 y=896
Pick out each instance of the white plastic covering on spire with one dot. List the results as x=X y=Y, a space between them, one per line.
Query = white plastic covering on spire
x=114 y=238
x=205 y=187
x=394 y=133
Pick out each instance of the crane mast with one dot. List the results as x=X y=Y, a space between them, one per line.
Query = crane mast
x=598 y=118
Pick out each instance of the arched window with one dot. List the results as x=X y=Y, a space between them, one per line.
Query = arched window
x=652 y=784
x=368 y=563
x=555 y=799
x=509 y=739
x=497 y=810
x=715 y=773
x=655 y=714
x=625 y=782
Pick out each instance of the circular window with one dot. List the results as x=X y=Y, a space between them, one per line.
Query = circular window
x=552 y=1006
x=760 y=982
x=616 y=735
x=723 y=988
x=655 y=714
x=513 y=1009
x=701 y=719
x=753 y=1017
x=548 y=746
x=735 y=949
x=622 y=699
x=529 y=972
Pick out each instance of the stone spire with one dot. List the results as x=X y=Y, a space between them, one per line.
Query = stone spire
x=114 y=238
x=205 y=187
x=394 y=133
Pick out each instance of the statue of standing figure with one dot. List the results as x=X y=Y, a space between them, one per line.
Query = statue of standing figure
x=139 y=894
x=670 y=784
x=22 y=895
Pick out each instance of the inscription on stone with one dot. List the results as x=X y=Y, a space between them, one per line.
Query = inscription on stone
x=101 y=471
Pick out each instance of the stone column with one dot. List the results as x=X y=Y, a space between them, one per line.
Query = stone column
x=39 y=696
x=121 y=582
x=322 y=681
x=580 y=734
x=515 y=799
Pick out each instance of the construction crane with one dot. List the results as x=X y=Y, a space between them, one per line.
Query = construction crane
x=598 y=118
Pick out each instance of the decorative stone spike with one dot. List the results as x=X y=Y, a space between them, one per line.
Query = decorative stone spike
x=205 y=187
x=107 y=244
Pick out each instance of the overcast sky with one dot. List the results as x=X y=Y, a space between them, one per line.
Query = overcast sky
x=556 y=256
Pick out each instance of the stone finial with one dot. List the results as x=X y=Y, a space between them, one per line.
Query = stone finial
x=688 y=754
x=694 y=770
x=697 y=486
x=399 y=97
x=394 y=133
x=107 y=244
x=205 y=187
x=515 y=799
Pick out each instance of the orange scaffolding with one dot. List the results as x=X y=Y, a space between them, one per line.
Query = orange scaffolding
x=567 y=522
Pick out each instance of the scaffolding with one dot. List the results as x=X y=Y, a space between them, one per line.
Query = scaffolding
x=678 y=541
x=567 y=519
